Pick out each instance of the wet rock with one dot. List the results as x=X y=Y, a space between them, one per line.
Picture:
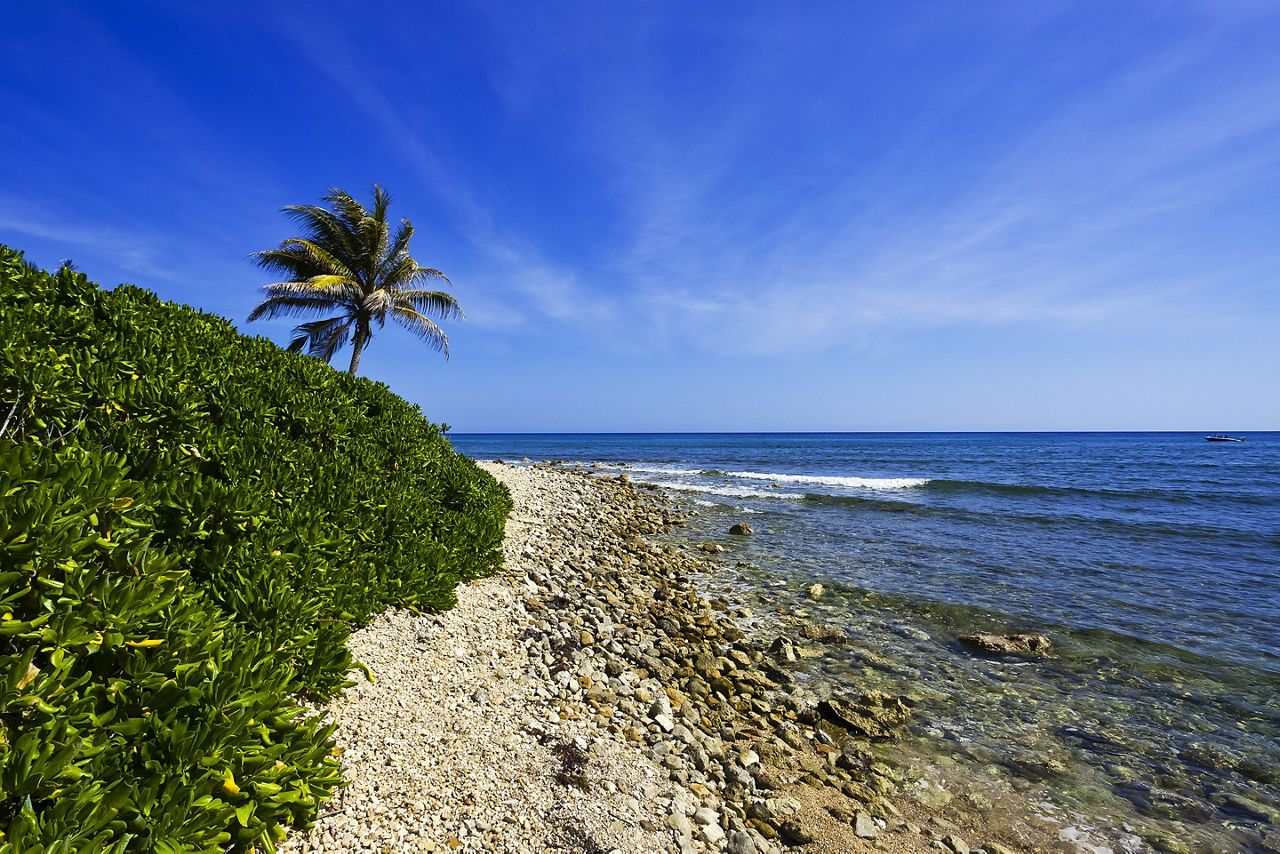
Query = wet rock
x=823 y=634
x=1163 y=803
x=741 y=529
x=1019 y=644
x=815 y=591
x=872 y=713
x=855 y=755
x=783 y=649
x=1207 y=756
x=711 y=548
x=1251 y=808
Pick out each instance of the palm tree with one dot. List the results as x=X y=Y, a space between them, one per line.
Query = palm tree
x=348 y=262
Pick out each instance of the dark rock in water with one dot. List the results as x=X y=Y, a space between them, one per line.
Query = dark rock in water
x=1098 y=743
x=871 y=713
x=855 y=755
x=823 y=634
x=1208 y=756
x=742 y=529
x=1163 y=803
x=1021 y=644
x=1249 y=807
x=783 y=648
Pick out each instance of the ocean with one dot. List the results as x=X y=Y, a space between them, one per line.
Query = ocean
x=1152 y=561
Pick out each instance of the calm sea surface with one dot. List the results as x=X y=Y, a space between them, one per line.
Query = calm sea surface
x=1151 y=559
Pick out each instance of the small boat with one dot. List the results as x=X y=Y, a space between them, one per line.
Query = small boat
x=1221 y=437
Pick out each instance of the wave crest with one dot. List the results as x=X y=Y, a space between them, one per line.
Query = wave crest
x=833 y=480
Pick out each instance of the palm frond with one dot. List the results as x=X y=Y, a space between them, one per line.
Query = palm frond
x=435 y=303
x=399 y=245
x=324 y=257
x=336 y=291
x=323 y=338
x=289 y=306
x=325 y=228
x=422 y=327
x=346 y=209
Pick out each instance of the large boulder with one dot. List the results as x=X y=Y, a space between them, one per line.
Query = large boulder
x=871 y=713
x=1020 y=644
x=741 y=529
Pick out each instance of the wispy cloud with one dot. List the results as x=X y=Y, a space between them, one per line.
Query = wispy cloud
x=130 y=251
x=1076 y=221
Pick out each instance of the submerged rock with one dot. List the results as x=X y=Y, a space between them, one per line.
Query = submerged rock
x=871 y=713
x=823 y=634
x=1019 y=644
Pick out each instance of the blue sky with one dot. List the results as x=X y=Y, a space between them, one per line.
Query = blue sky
x=706 y=216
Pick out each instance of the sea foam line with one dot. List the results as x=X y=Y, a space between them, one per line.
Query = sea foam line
x=730 y=491
x=674 y=472
x=831 y=480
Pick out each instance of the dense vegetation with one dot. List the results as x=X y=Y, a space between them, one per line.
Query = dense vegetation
x=191 y=524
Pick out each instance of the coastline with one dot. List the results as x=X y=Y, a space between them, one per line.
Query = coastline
x=591 y=699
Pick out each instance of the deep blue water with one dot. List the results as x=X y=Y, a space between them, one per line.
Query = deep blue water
x=1159 y=536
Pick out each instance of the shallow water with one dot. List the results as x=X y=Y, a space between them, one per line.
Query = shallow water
x=1152 y=560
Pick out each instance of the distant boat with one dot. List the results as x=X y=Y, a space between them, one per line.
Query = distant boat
x=1220 y=437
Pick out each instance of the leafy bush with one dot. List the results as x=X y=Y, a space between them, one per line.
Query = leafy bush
x=191 y=524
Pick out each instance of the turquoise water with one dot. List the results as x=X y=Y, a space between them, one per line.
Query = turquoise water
x=1151 y=559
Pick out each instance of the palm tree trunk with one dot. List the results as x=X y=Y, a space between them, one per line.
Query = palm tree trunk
x=362 y=335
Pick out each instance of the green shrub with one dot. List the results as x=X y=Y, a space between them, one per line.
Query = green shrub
x=191 y=524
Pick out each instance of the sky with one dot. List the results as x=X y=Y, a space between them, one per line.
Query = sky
x=703 y=216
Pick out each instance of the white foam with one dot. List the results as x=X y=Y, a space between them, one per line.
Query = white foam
x=669 y=470
x=831 y=480
x=730 y=491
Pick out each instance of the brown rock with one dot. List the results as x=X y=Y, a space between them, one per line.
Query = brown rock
x=871 y=713
x=1020 y=644
x=823 y=634
x=741 y=529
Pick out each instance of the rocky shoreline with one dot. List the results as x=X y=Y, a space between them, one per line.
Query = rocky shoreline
x=590 y=699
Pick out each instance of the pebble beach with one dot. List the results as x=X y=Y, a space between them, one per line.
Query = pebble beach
x=591 y=699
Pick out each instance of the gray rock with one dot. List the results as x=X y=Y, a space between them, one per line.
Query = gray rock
x=740 y=843
x=865 y=826
x=680 y=823
x=711 y=833
x=705 y=816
